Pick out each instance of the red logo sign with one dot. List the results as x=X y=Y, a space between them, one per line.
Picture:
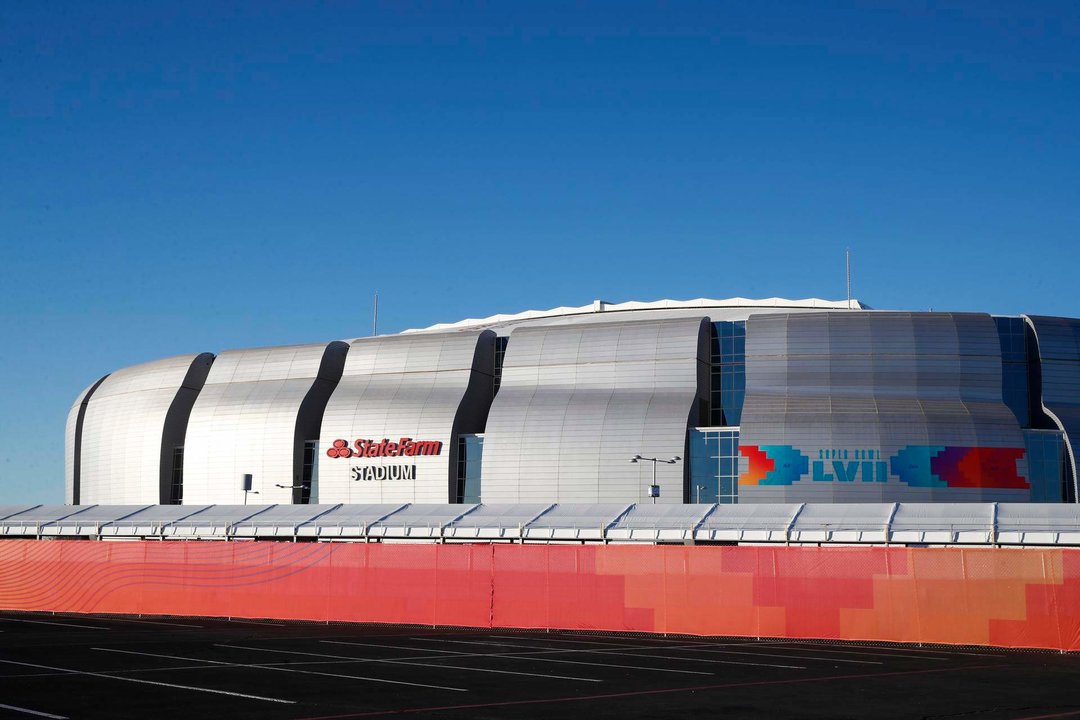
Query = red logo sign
x=405 y=447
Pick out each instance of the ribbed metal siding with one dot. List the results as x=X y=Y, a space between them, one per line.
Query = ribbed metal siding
x=124 y=428
x=421 y=386
x=576 y=403
x=1059 y=360
x=878 y=382
x=246 y=420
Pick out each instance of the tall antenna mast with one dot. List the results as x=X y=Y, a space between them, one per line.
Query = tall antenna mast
x=375 y=318
x=848 y=254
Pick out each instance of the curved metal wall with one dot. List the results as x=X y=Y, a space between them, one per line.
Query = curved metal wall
x=253 y=416
x=421 y=387
x=73 y=441
x=130 y=429
x=877 y=407
x=577 y=402
x=1059 y=367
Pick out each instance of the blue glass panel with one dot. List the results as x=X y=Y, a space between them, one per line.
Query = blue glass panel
x=698 y=443
x=1046 y=465
x=1014 y=390
x=474 y=452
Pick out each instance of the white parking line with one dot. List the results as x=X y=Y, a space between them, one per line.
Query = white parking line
x=708 y=660
x=140 y=621
x=849 y=652
x=43 y=622
x=623 y=652
x=280 y=669
x=904 y=652
x=597 y=651
x=32 y=712
x=714 y=648
x=547 y=639
x=769 y=642
x=667 y=641
x=501 y=644
x=698 y=648
x=617 y=646
x=416 y=664
x=394 y=647
x=150 y=682
x=528 y=657
x=786 y=644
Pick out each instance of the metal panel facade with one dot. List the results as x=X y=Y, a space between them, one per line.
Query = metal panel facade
x=253 y=416
x=840 y=405
x=878 y=406
x=577 y=402
x=418 y=388
x=1059 y=352
x=128 y=432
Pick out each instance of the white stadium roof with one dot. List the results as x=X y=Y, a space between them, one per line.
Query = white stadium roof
x=600 y=307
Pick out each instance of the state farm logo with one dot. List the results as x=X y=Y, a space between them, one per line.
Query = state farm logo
x=405 y=447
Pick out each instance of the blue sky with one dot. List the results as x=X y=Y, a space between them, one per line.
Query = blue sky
x=201 y=176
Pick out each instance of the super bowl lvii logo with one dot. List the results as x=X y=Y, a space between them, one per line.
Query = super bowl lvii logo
x=929 y=466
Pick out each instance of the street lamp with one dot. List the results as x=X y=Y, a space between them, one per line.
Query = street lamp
x=654 y=489
x=303 y=500
x=292 y=487
x=246 y=487
x=699 y=488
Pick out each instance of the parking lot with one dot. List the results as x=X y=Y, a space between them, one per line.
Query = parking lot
x=81 y=666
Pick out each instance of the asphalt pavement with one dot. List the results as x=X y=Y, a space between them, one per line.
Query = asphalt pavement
x=95 y=666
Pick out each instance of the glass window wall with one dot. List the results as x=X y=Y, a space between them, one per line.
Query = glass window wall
x=1014 y=367
x=310 y=468
x=714 y=465
x=470 y=455
x=728 y=373
x=1047 y=472
x=176 y=487
x=500 y=353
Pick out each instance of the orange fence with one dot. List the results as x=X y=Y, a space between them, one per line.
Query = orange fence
x=985 y=596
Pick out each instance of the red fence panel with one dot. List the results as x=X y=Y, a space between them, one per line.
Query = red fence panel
x=1006 y=597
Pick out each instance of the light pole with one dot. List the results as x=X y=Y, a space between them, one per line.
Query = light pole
x=246 y=487
x=654 y=489
x=699 y=488
x=291 y=487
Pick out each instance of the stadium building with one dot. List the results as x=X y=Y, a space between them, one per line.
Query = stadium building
x=701 y=401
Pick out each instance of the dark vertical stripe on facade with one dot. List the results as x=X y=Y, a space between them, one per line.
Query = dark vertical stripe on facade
x=176 y=420
x=309 y=416
x=1057 y=340
x=472 y=411
x=76 y=461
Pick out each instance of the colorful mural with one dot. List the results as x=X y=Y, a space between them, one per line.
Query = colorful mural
x=924 y=466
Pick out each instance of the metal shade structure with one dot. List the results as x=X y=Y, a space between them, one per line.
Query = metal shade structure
x=798 y=523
